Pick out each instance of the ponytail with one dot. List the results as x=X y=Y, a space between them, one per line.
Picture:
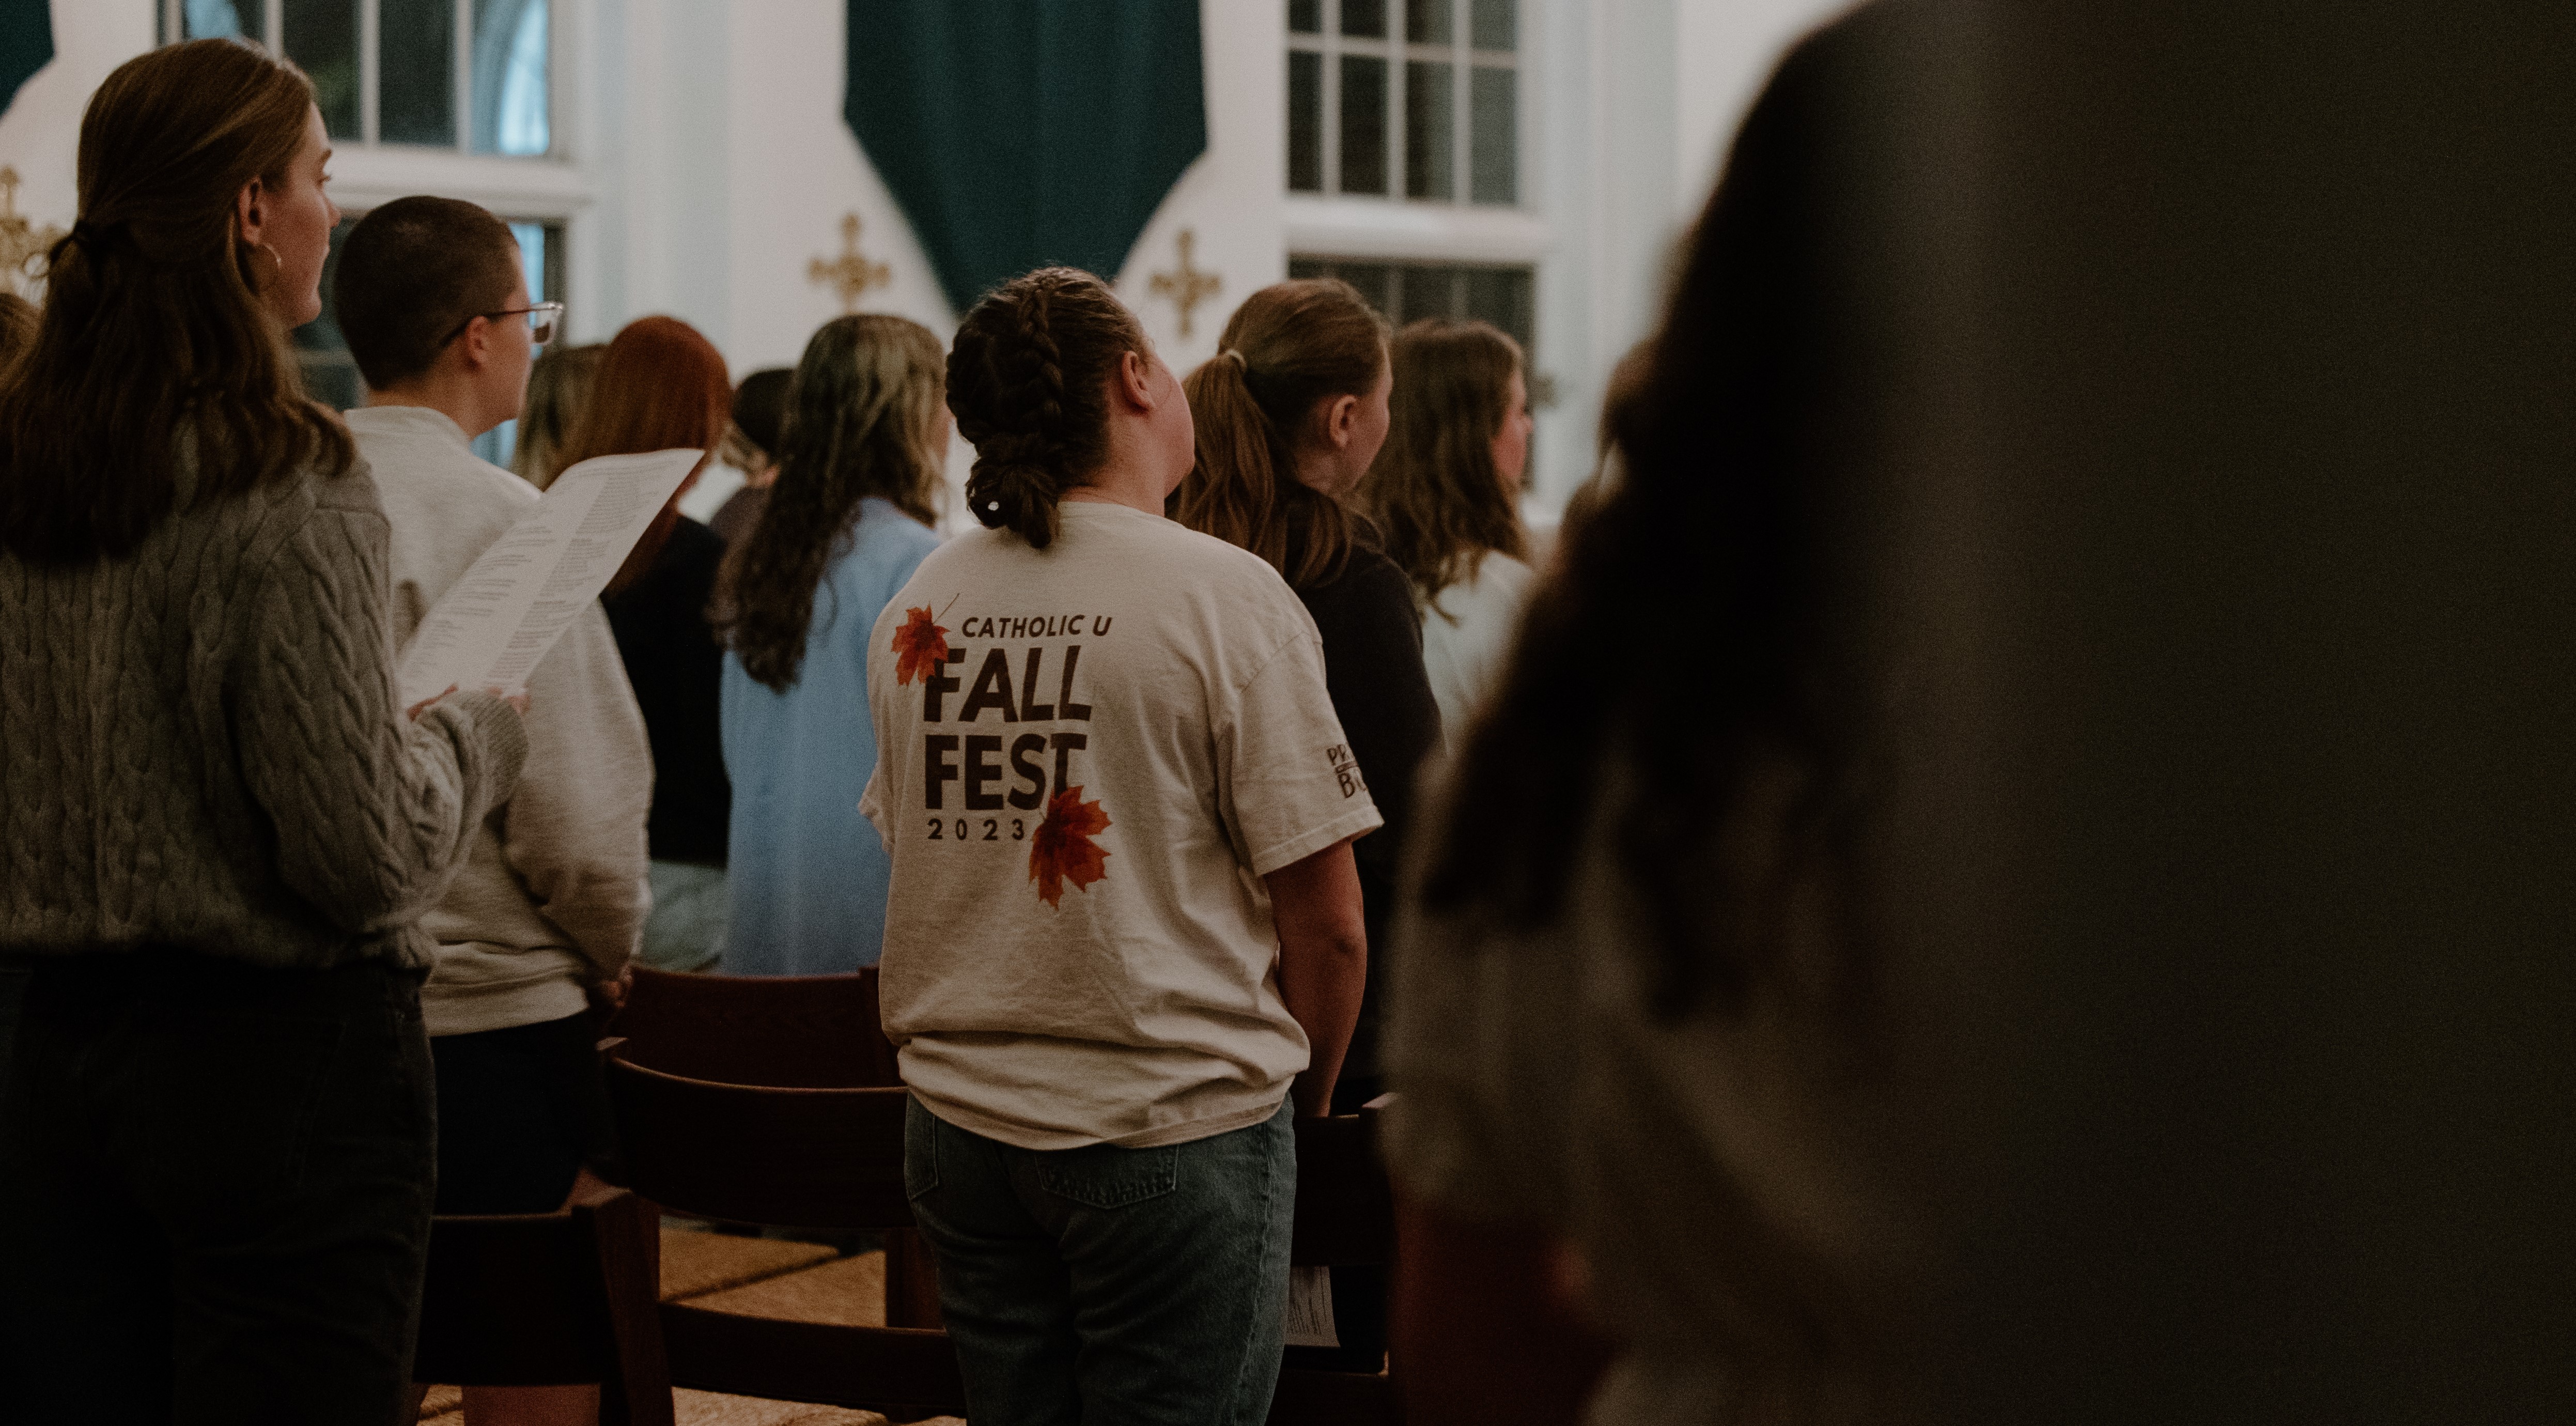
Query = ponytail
x=1028 y=381
x=1291 y=346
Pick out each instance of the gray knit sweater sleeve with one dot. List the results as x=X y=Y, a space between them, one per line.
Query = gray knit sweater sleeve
x=373 y=811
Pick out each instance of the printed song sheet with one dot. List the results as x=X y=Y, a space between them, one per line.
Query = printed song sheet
x=492 y=626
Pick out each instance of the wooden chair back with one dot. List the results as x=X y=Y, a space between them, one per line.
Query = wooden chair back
x=789 y=1031
x=1345 y=1218
x=550 y=1299
x=787 y=1156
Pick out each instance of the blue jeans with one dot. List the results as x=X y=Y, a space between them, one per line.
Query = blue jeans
x=1108 y=1285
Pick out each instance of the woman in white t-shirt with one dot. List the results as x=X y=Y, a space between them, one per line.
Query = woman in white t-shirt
x=1123 y=932
x=1445 y=493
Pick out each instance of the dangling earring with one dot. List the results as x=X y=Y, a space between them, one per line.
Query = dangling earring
x=273 y=256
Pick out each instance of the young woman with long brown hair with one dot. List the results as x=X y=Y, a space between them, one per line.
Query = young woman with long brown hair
x=216 y=1126
x=1124 y=933
x=1444 y=494
x=661 y=386
x=1632 y=1017
x=1289 y=417
x=843 y=525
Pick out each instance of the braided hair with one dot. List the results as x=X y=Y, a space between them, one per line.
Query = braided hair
x=1028 y=381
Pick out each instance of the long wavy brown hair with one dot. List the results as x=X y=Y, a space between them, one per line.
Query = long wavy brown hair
x=1683 y=645
x=1288 y=348
x=862 y=419
x=1434 y=493
x=660 y=387
x=153 y=347
x=1028 y=381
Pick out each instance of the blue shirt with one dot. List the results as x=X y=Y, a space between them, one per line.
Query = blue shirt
x=808 y=873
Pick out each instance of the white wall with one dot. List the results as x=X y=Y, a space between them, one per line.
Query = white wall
x=40 y=135
x=707 y=165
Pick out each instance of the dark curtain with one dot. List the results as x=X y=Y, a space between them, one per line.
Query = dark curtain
x=1018 y=133
x=27 y=43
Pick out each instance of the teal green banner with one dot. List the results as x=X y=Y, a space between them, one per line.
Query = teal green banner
x=1018 y=133
x=26 y=43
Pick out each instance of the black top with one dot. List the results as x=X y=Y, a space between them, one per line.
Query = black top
x=1373 y=670
x=677 y=668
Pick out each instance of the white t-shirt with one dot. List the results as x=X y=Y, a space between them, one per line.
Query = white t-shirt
x=1467 y=634
x=1087 y=759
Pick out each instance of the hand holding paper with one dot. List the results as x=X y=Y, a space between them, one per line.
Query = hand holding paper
x=495 y=624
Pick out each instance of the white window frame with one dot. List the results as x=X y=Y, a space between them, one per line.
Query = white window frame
x=554 y=187
x=1461 y=57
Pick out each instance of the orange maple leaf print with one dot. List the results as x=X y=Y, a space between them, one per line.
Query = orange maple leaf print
x=921 y=647
x=1062 y=850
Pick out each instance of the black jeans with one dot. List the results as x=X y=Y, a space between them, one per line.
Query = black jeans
x=215 y=1188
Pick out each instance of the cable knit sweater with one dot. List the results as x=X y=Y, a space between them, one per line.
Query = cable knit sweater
x=199 y=746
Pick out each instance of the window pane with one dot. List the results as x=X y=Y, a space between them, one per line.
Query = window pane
x=1428 y=292
x=322 y=36
x=511 y=114
x=1363 y=124
x=416 y=72
x=1493 y=139
x=1306 y=17
x=1376 y=281
x=1429 y=131
x=1300 y=268
x=1501 y=295
x=1364 y=18
x=1427 y=22
x=1305 y=121
x=1493 y=24
x=215 y=19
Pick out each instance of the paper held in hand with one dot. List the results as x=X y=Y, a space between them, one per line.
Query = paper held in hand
x=493 y=625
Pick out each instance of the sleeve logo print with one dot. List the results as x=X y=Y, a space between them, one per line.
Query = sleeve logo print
x=1063 y=850
x=920 y=646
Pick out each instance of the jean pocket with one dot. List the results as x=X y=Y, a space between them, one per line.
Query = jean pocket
x=1105 y=1176
x=920 y=1150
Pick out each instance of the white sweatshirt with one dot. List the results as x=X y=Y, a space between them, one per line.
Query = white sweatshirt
x=553 y=894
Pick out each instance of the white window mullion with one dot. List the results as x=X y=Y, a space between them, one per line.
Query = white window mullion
x=370 y=72
x=1331 y=50
x=1461 y=74
x=1394 y=122
x=273 y=25
x=463 y=76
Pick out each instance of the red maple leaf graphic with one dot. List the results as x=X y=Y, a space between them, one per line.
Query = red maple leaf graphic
x=921 y=645
x=1062 y=850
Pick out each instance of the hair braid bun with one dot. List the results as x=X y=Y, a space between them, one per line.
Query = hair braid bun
x=1028 y=381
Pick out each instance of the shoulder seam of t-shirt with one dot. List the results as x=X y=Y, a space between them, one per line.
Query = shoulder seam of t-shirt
x=1266 y=661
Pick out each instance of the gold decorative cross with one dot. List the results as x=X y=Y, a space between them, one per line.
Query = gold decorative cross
x=1187 y=287
x=21 y=242
x=852 y=273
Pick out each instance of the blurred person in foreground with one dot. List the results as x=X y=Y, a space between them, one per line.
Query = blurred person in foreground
x=844 y=524
x=217 y=1137
x=1632 y=1045
x=661 y=386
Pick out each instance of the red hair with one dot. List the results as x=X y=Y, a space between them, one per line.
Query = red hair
x=661 y=386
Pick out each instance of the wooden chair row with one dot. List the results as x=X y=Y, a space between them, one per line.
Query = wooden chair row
x=708 y=1130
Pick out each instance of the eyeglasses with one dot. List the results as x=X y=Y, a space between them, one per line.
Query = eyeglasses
x=543 y=319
